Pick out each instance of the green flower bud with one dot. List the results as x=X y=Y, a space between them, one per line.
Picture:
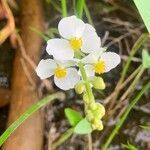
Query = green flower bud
x=79 y=88
x=89 y=116
x=86 y=98
x=93 y=106
x=97 y=109
x=98 y=83
x=100 y=111
x=97 y=125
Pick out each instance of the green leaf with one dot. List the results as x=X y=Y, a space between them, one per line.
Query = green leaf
x=146 y=127
x=79 y=8
x=146 y=59
x=73 y=116
x=83 y=127
x=144 y=10
x=129 y=146
x=27 y=114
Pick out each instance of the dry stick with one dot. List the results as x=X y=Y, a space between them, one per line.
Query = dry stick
x=130 y=89
x=28 y=136
x=10 y=26
x=4 y=96
x=132 y=86
x=90 y=142
x=135 y=48
x=123 y=85
x=30 y=61
x=124 y=116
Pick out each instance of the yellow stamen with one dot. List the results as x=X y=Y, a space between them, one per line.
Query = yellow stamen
x=76 y=43
x=99 y=67
x=60 y=72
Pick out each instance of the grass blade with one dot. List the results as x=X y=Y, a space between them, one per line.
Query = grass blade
x=144 y=10
x=79 y=8
x=27 y=114
x=124 y=116
x=64 y=8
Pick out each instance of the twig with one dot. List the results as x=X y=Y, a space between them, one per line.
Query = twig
x=10 y=26
x=29 y=61
x=122 y=85
x=89 y=142
x=124 y=116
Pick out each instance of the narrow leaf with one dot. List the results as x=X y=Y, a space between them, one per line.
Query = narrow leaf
x=129 y=146
x=27 y=114
x=146 y=127
x=73 y=116
x=83 y=127
x=79 y=8
x=146 y=59
x=144 y=10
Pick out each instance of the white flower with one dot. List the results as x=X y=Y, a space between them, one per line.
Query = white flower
x=76 y=36
x=100 y=62
x=65 y=77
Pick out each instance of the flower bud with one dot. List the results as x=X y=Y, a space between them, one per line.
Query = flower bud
x=100 y=111
x=97 y=125
x=98 y=83
x=86 y=98
x=93 y=106
x=89 y=116
x=79 y=88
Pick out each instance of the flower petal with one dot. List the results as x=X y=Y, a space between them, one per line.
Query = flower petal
x=111 y=60
x=66 y=63
x=91 y=41
x=71 y=27
x=93 y=57
x=46 y=68
x=60 y=49
x=89 y=70
x=71 y=79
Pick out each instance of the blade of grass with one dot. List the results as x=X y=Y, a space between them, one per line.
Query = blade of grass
x=80 y=7
x=137 y=45
x=63 y=138
x=27 y=114
x=124 y=116
x=64 y=8
x=143 y=8
x=135 y=48
x=88 y=15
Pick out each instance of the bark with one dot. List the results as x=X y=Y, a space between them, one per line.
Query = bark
x=29 y=135
x=4 y=96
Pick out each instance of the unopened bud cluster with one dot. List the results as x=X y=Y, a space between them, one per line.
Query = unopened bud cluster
x=93 y=111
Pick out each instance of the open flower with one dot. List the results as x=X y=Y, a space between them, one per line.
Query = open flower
x=65 y=77
x=76 y=36
x=100 y=62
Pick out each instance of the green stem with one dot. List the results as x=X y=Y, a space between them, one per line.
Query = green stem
x=80 y=7
x=88 y=15
x=63 y=138
x=27 y=114
x=135 y=48
x=124 y=116
x=64 y=8
x=87 y=84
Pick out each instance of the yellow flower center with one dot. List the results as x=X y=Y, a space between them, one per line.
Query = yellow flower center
x=60 y=72
x=99 y=67
x=76 y=43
